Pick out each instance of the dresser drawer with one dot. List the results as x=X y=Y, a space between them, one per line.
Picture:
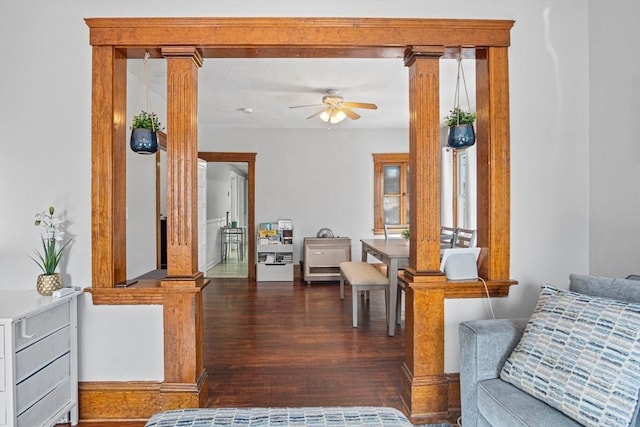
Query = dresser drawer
x=34 y=328
x=33 y=358
x=42 y=383
x=326 y=256
x=49 y=409
x=274 y=272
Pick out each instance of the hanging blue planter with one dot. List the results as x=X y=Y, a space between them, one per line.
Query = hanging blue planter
x=144 y=141
x=461 y=136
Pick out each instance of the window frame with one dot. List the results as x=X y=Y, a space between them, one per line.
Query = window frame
x=380 y=160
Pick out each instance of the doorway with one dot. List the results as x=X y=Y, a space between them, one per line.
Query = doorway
x=226 y=220
x=232 y=260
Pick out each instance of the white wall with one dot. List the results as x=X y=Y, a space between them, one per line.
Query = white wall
x=316 y=178
x=614 y=166
x=45 y=111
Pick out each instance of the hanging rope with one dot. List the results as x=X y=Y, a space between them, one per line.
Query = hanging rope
x=456 y=100
x=145 y=80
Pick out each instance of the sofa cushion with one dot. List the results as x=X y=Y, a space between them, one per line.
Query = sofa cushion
x=581 y=355
x=606 y=287
x=503 y=405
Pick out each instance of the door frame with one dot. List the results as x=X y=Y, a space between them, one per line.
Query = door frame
x=250 y=160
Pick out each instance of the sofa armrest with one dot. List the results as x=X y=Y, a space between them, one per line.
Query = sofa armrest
x=484 y=347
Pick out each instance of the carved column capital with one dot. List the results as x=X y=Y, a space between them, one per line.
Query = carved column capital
x=414 y=52
x=184 y=52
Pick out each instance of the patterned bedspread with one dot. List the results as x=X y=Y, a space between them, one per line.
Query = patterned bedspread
x=321 y=416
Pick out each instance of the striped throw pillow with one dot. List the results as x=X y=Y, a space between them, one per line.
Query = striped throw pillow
x=581 y=355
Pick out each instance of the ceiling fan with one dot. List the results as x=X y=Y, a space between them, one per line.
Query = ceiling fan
x=336 y=109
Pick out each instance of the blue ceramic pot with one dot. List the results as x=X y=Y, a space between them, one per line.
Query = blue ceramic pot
x=461 y=136
x=144 y=141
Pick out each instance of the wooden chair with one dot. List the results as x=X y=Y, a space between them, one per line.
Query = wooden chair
x=447 y=237
x=465 y=238
x=394 y=231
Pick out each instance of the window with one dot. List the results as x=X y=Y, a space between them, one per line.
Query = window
x=391 y=190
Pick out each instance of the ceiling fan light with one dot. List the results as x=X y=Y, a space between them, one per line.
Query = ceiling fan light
x=337 y=116
x=325 y=115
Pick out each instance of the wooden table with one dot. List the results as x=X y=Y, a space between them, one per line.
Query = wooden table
x=395 y=254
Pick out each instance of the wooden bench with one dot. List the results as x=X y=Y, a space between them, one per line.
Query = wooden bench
x=362 y=276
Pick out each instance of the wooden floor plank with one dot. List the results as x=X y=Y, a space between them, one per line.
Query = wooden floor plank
x=283 y=344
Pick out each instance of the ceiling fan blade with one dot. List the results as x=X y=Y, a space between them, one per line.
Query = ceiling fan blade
x=350 y=113
x=366 y=105
x=316 y=114
x=310 y=105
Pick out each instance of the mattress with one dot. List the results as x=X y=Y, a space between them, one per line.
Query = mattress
x=310 y=416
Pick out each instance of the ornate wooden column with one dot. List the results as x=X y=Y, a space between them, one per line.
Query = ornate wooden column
x=430 y=395
x=424 y=385
x=185 y=380
x=424 y=162
x=182 y=168
x=108 y=163
x=494 y=171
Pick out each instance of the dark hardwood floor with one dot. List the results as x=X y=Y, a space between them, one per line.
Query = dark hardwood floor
x=282 y=344
x=273 y=344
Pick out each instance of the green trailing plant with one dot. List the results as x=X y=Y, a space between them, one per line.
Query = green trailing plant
x=405 y=234
x=51 y=235
x=146 y=121
x=458 y=116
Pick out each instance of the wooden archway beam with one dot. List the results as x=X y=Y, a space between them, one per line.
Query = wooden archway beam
x=428 y=393
x=295 y=37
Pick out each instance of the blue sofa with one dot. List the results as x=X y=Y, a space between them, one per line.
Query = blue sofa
x=487 y=399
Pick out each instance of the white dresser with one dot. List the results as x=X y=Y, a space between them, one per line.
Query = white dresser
x=38 y=359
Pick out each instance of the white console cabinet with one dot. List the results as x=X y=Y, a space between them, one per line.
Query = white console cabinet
x=38 y=359
x=322 y=257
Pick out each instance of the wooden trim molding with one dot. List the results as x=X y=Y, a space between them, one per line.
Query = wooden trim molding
x=142 y=292
x=295 y=37
x=101 y=401
x=118 y=401
x=183 y=43
x=454 y=395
